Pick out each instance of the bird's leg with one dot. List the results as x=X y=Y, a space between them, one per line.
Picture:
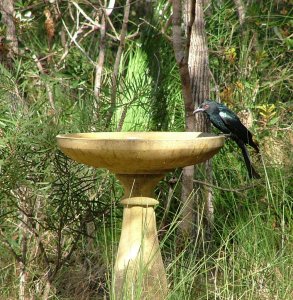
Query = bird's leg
x=227 y=135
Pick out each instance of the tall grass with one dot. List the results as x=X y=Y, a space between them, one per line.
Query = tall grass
x=249 y=256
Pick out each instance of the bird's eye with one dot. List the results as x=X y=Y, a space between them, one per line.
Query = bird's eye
x=206 y=106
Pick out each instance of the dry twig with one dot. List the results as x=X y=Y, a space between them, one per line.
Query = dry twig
x=117 y=62
x=48 y=87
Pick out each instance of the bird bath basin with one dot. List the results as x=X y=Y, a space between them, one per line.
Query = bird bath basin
x=139 y=160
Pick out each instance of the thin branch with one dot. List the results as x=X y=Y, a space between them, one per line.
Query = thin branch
x=106 y=13
x=101 y=59
x=73 y=39
x=124 y=112
x=154 y=27
x=122 y=118
x=30 y=227
x=225 y=189
x=17 y=257
x=216 y=86
x=172 y=185
x=166 y=26
x=48 y=87
x=92 y=22
x=117 y=62
x=24 y=247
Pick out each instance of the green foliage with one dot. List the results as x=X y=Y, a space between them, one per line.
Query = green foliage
x=134 y=91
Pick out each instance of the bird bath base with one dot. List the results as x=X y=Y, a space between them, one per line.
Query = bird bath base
x=139 y=160
x=139 y=267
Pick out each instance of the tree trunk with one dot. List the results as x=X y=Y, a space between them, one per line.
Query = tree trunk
x=181 y=55
x=241 y=11
x=7 y=11
x=198 y=64
x=200 y=76
x=194 y=74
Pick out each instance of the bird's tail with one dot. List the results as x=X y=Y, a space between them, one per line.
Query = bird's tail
x=251 y=171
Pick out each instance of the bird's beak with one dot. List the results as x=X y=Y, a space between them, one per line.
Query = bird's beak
x=198 y=110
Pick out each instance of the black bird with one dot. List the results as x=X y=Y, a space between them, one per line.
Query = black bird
x=228 y=122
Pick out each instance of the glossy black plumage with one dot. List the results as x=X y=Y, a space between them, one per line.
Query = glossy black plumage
x=228 y=122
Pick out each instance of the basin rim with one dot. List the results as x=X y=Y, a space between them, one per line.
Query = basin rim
x=140 y=135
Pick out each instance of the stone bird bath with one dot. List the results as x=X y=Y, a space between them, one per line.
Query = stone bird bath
x=139 y=160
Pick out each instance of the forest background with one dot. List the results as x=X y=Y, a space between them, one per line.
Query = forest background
x=79 y=66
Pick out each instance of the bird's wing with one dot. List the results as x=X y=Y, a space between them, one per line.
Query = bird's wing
x=227 y=114
x=234 y=124
x=218 y=123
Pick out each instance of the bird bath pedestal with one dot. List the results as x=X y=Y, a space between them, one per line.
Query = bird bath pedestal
x=139 y=160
